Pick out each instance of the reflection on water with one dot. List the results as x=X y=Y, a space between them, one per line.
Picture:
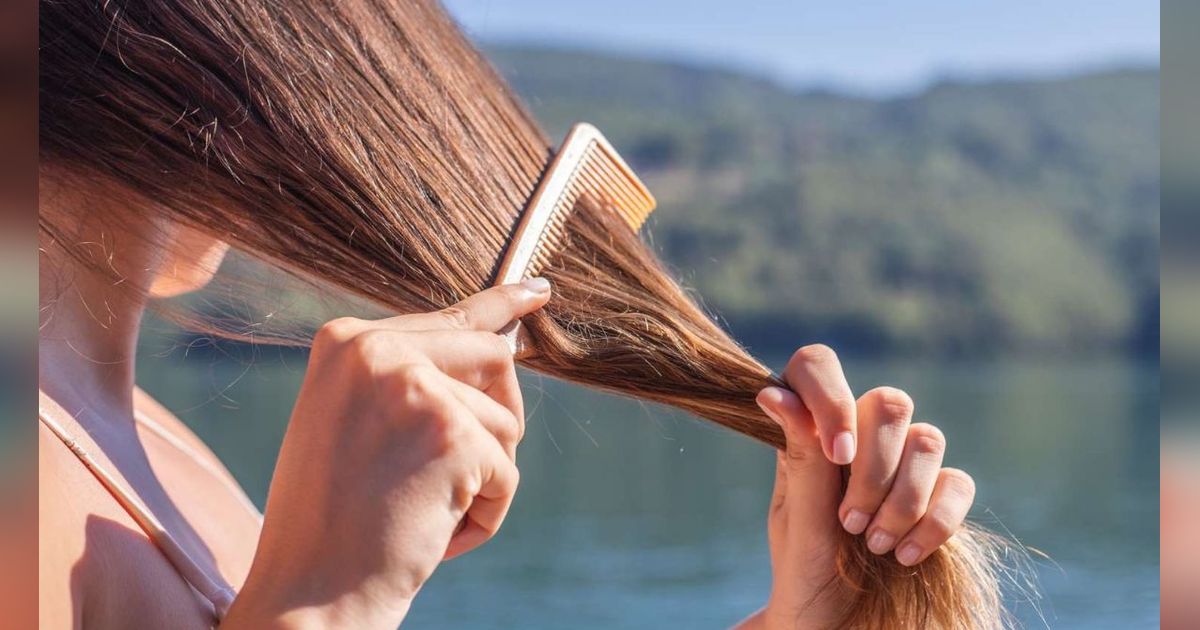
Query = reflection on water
x=631 y=515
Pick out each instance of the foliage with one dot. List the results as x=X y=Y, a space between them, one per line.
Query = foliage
x=998 y=216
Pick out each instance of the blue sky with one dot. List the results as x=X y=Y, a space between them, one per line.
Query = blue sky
x=867 y=45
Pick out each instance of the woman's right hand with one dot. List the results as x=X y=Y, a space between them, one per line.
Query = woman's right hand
x=400 y=453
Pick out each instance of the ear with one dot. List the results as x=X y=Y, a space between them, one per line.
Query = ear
x=190 y=262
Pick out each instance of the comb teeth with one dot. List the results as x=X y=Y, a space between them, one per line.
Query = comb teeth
x=586 y=164
x=616 y=186
x=596 y=175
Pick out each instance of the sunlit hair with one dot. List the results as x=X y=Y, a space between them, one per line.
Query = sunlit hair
x=367 y=144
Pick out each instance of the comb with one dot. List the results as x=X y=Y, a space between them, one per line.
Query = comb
x=586 y=164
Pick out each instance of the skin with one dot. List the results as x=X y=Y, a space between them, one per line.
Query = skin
x=420 y=414
x=1179 y=519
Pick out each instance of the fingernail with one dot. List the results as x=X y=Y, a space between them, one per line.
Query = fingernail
x=843 y=448
x=856 y=521
x=880 y=541
x=908 y=554
x=537 y=285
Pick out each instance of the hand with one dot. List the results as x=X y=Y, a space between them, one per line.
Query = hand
x=400 y=453
x=898 y=495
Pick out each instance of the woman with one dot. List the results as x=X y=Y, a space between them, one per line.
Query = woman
x=367 y=146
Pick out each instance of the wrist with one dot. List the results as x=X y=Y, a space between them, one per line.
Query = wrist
x=281 y=608
x=315 y=617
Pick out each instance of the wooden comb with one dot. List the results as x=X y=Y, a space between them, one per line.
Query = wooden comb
x=586 y=164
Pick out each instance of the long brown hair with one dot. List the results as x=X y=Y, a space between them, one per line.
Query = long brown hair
x=367 y=144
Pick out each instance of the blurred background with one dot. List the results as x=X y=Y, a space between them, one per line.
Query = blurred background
x=18 y=313
x=961 y=198
x=1180 y=494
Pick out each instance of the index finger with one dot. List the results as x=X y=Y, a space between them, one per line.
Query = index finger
x=489 y=310
x=815 y=373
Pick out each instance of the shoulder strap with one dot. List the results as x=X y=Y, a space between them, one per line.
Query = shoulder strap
x=220 y=596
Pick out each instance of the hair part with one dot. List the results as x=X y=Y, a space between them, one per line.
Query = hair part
x=367 y=145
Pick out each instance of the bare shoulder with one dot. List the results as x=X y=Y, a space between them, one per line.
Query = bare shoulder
x=161 y=416
x=60 y=536
x=94 y=563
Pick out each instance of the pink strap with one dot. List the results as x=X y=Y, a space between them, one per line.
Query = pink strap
x=219 y=595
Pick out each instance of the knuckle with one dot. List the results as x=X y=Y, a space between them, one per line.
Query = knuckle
x=412 y=386
x=443 y=434
x=926 y=439
x=814 y=355
x=841 y=405
x=456 y=317
x=514 y=476
x=870 y=486
x=959 y=482
x=940 y=527
x=418 y=401
x=462 y=494
x=509 y=431
x=364 y=348
x=502 y=480
x=335 y=331
x=895 y=404
x=908 y=510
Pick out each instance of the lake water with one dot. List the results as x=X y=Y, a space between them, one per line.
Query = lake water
x=633 y=516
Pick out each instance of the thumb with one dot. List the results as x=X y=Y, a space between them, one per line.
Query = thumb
x=814 y=484
x=785 y=407
x=489 y=310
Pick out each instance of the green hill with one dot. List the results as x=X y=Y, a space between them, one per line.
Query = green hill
x=1002 y=216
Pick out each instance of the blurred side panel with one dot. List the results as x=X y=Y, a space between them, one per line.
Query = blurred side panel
x=18 y=313
x=1180 y=473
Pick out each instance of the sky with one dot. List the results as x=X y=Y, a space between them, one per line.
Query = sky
x=868 y=46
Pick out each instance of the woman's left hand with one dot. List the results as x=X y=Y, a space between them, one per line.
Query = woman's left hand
x=898 y=495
